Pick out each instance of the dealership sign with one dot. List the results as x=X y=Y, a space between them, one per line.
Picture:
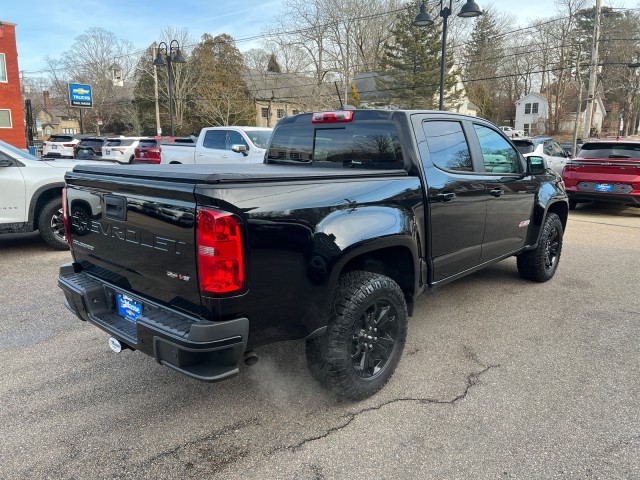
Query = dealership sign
x=80 y=96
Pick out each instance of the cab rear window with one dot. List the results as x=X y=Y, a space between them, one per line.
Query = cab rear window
x=609 y=150
x=370 y=145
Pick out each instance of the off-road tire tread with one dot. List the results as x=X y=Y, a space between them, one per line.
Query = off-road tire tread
x=326 y=354
x=531 y=264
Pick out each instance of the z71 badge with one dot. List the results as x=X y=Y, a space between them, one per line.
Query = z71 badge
x=179 y=276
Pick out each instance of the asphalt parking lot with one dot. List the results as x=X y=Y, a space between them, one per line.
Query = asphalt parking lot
x=501 y=378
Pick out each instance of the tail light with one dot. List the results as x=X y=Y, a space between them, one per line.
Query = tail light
x=68 y=145
x=220 y=252
x=65 y=217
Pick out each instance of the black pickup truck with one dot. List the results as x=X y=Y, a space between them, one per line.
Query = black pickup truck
x=353 y=214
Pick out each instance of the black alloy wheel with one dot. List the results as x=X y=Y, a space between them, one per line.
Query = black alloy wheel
x=365 y=336
x=374 y=339
x=51 y=224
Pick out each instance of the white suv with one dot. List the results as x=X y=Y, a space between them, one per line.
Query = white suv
x=60 y=145
x=121 y=149
x=31 y=195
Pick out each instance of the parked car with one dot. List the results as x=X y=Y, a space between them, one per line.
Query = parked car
x=60 y=146
x=121 y=149
x=512 y=132
x=605 y=171
x=546 y=147
x=31 y=195
x=149 y=150
x=221 y=145
x=90 y=148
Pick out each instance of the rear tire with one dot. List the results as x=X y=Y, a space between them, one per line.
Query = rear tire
x=51 y=224
x=365 y=336
x=540 y=265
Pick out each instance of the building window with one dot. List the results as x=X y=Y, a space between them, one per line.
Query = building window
x=527 y=108
x=527 y=129
x=265 y=112
x=534 y=108
x=3 y=68
x=5 y=119
x=70 y=131
x=280 y=112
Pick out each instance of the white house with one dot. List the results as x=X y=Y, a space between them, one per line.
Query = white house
x=532 y=113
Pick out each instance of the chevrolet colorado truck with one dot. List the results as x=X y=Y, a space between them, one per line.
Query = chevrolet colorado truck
x=353 y=215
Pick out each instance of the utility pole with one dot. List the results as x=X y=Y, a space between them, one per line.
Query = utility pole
x=579 y=80
x=593 y=78
x=155 y=84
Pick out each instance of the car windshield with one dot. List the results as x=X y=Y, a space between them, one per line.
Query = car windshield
x=16 y=152
x=260 y=138
x=524 y=146
x=610 y=150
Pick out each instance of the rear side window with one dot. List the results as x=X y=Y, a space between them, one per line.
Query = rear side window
x=60 y=138
x=113 y=143
x=448 y=146
x=215 y=139
x=371 y=145
x=609 y=150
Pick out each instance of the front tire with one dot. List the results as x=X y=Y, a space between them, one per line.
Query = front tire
x=540 y=265
x=51 y=224
x=365 y=336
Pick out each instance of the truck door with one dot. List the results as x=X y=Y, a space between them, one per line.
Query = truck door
x=510 y=193
x=456 y=196
x=12 y=201
x=213 y=148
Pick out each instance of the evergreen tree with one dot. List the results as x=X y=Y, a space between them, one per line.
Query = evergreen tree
x=482 y=61
x=273 y=66
x=221 y=96
x=412 y=59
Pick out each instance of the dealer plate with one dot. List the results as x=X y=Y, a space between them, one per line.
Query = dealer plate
x=128 y=307
x=604 y=187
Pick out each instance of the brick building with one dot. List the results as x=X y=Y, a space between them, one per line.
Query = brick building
x=11 y=113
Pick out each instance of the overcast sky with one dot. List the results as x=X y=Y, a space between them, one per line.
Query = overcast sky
x=49 y=28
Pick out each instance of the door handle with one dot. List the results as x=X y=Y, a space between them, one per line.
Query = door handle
x=445 y=197
x=496 y=192
x=224 y=156
x=201 y=154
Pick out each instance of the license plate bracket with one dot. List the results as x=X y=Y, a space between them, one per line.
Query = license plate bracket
x=128 y=307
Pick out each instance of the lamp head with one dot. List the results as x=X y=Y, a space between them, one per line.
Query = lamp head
x=177 y=57
x=159 y=61
x=423 y=19
x=470 y=9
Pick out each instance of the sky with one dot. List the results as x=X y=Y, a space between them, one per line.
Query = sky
x=48 y=28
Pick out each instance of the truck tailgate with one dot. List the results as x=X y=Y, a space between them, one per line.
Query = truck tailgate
x=139 y=238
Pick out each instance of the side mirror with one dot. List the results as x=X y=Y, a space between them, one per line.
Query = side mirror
x=240 y=149
x=536 y=165
x=5 y=163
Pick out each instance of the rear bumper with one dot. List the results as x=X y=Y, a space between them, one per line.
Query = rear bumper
x=604 y=197
x=204 y=350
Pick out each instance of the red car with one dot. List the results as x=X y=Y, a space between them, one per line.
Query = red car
x=149 y=150
x=604 y=171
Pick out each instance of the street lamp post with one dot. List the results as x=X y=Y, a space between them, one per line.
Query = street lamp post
x=635 y=66
x=171 y=55
x=423 y=19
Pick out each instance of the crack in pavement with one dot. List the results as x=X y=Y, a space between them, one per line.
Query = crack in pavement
x=472 y=380
x=211 y=436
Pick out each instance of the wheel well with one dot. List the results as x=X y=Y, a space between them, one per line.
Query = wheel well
x=562 y=210
x=43 y=199
x=394 y=262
